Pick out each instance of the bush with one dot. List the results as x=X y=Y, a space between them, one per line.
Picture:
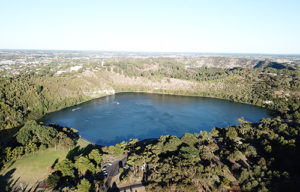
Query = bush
x=84 y=186
x=53 y=180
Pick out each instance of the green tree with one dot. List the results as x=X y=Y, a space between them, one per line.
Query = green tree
x=235 y=156
x=53 y=180
x=231 y=133
x=250 y=151
x=44 y=134
x=84 y=186
x=83 y=164
x=205 y=152
x=172 y=144
x=268 y=148
x=95 y=156
x=189 y=139
x=189 y=152
x=65 y=167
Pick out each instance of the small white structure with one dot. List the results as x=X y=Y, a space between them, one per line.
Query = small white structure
x=144 y=167
x=268 y=102
x=75 y=68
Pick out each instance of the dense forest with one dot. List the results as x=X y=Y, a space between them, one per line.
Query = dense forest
x=260 y=156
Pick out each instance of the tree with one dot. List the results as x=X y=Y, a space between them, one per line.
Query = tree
x=235 y=156
x=244 y=128
x=189 y=139
x=63 y=140
x=95 y=156
x=231 y=133
x=83 y=164
x=119 y=149
x=53 y=180
x=214 y=132
x=172 y=144
x=268 y=148
x=65 y=167
x=84 y=186
x=190 y=153
x=250 y=151
x=205 y=152
x=44 y=134
x=24 y=135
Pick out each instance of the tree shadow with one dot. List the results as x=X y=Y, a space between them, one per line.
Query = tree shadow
x=73 y=152
x=6 y=180
x=7 y=135
x=90 y=147
x=83 y=151
x=11 y=164
x=121 y=164
x=54 y=163
x=34 y=189
x=113 y=188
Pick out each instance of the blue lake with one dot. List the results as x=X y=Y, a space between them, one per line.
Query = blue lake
x=112 y=119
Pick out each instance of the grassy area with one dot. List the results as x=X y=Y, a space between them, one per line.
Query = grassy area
x=82 y=143
x=32 y=168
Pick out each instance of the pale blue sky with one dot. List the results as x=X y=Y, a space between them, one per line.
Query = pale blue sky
x=243 y=26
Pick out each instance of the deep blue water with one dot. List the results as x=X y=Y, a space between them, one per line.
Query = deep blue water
x=112 y=119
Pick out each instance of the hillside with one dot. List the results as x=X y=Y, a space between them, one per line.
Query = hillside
x=246 y=157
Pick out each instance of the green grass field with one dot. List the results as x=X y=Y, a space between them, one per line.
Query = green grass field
x=32 y=168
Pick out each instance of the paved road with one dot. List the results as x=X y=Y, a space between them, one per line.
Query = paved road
x=113 y=170
x=133 y=187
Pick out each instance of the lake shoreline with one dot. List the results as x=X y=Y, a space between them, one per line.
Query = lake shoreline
x=119 y=117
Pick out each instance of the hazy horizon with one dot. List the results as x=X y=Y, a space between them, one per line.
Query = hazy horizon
x=156 y=52
x=214 y=27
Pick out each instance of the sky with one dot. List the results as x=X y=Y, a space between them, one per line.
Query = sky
x=218 y=26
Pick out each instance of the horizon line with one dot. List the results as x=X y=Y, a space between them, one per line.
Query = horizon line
x=165 y=52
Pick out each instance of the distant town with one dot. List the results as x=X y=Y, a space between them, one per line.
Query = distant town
x=13 y=62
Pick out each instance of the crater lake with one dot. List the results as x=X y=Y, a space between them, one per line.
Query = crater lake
x=112 y=119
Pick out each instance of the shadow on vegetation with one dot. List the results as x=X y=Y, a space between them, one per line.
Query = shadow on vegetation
x=6 y=135
x=6 y=180
x=82 y=151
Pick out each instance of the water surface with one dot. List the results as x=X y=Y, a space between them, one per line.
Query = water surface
x=112 y=119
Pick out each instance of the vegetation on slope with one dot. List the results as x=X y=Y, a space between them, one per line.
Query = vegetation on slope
x=248 y=157
x=30 y=96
